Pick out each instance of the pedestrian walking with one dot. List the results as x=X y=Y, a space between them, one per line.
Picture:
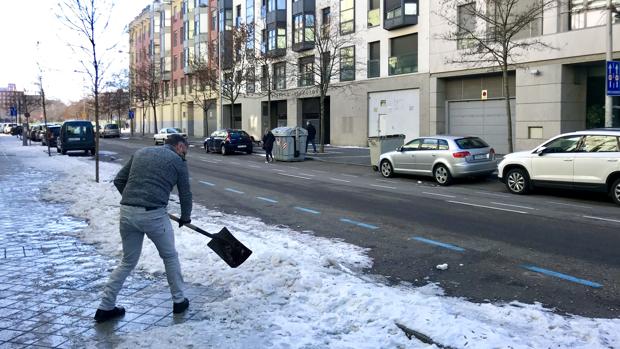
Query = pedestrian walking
x=311 y=135
x=145 y=183
x=268 y=140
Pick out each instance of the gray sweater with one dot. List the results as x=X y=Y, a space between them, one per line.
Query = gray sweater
x=149 y=176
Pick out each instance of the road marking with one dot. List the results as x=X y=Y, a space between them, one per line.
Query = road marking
x=517 y=206
x=340 y=180
x=267 y=199
x=572 y=205
x=489 y=207
x=350 y=175
x=254 y=166
x=382 y=186
x=234 y=191
x=307 y=210
x=279 y=170
x=562 y=276
x=386 y=181
x=360 y=224
x=307 y=174
x=290 y=175
x=444 y=195
x=319 y=171
x=493 y=194
x=603 y=219
x=440 y=244
x=235 y=163
x=207 y=183
x=210 y=161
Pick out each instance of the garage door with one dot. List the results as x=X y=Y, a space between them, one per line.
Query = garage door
x=394 y=112
x=485 y=119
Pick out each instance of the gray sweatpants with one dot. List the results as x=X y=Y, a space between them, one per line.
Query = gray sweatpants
x=135 y=222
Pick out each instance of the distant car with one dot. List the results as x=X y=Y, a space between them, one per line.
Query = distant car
x=110 y=130
x=227 y=141
x=76 y=135
x=163 y=134
x=8 y=127
x=50 y=135
x=442 y=157
x=33 y=135
x=587 y=160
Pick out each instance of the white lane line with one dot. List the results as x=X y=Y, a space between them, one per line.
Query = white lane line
x=382 y=186
x=254 y=166
x=279 y=170
x=603 y=219
x=489 y=207
x=349 y=175
x=290 y=175
x=493 y=194
x=572 y=205
x=386 y=181
x=340 y=180
x=319 y=171
x=444 y=195
x=306 y=174
x=517 y=206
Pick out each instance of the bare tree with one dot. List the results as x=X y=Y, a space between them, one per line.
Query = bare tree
x=333 y=59
x=495 y=33
x=84 y=17
x=234 y=63
x=119 y=84
x=147 y=87
x=205 y=83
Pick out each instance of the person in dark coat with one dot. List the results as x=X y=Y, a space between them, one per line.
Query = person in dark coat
x=268 y=140
x=311 y=135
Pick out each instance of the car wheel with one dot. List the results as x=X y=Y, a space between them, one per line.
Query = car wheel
x=57 y=150
x=615 y=191
x=387 y=170
x=63 y=151
x=518 y=181
x=206 y=148
x=442 y=175
x=92 y=151
x=249 y=151
x=223 y=150
x=156 y=142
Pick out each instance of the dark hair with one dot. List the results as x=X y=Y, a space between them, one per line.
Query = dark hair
x=175 y=139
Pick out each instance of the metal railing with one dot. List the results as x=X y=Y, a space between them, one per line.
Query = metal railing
x=374 y=68
x=403 y=64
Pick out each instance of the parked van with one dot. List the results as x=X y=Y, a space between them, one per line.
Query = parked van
x=76 y=135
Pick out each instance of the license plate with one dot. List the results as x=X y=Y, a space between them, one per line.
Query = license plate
x=241 y=146
x=73 y=139
x=481 y=156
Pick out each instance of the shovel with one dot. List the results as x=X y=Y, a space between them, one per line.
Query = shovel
x=224 y=244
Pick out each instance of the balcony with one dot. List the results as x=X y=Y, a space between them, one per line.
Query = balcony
x=374 y=68
x=277 y=52
x=403 y=64
x=304 y=6
x=400 y=13
x=303 y=46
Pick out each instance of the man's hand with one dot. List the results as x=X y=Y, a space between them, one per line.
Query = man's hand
x=182 y=222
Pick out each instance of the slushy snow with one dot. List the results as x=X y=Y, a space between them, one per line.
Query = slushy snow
x=302 y=291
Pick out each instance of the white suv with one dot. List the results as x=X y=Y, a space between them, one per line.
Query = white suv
x=579 y=160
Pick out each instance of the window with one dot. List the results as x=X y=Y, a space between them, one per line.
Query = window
x=182 y=86
x=599 y=144
x=175 y=62
x=303 y=28
x=374 y=59
x=238 y=18
x=403 y=55
x=279 y=76
x=249 y=19
x=174 y=39
x=347 y=16
x=471 y=143
x=176 y=86
x=466 y=26
x=306 y=71
x=443 y=145
x=326 y=16
x=589 y=13
x=374 y=13
x=563 y=145
x=347 y=63
x=412 y=145
x=429 y=144
x=250 y=81
x=264 y=78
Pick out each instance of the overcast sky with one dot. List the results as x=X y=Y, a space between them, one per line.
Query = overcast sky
x=24 y=22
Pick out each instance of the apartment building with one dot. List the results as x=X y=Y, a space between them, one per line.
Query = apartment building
x=553 y=89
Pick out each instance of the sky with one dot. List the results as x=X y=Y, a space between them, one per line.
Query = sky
x=23 y=23
x=298 y=290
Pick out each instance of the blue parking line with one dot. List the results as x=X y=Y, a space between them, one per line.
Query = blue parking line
x=208 y=183
x=562 y=276
x=267 y=199
x=234 y=191
x=360 y=224
x=440 y=244
x=307 y=210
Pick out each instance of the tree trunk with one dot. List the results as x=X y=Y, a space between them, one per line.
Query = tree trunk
x=322 y=118
x=154 y=117
x=508 y=111
x=269 y=109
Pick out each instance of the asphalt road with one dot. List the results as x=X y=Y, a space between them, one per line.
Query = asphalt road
x=556 y=248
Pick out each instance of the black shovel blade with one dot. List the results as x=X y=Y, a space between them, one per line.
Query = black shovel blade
x=231 y=250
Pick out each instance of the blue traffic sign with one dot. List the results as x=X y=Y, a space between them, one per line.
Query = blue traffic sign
x=131 y=114
x=613 y=78
x=13 y=111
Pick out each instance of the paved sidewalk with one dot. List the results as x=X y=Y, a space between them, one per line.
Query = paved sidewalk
x=50 y=282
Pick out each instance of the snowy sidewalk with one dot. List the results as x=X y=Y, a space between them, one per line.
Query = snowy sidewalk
x=295 y=291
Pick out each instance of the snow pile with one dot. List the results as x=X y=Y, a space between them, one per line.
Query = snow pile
x=302 y=291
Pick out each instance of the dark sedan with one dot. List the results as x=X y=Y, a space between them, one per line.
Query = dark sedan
x=52 y=134
x=227 y=141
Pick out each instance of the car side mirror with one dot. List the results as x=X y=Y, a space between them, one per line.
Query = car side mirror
x=399 y=148
x=542 y=151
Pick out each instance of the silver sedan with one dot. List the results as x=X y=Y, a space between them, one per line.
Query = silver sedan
x=442 y=157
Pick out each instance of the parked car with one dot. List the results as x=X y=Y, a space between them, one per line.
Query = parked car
x=76 y=135
x=587 y=160
x=110 y=130
x=50 y=135
x=163 y=134
x=227 y=141
x=442 y=157
x=33 y=135
x=16 y=130
x=8 y=127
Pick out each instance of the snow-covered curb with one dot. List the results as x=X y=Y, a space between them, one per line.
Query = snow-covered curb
x=302 y=291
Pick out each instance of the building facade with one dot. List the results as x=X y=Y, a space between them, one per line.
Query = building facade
x=397 y=74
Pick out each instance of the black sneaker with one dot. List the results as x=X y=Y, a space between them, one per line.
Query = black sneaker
x=178 y=308
x=105 y=315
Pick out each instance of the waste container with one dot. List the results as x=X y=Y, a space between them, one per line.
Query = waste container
x=290 y=144
x=383 y=144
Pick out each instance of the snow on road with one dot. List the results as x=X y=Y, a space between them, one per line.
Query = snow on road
x=302 y=291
